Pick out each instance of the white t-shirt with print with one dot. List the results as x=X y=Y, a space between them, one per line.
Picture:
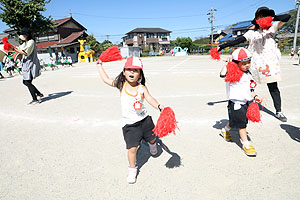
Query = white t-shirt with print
x=240 y=92
x=133 y=108
x=265 y=66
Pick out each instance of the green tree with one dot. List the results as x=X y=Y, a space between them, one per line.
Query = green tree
x=184 y=42
x=289 y=27
x=106 y=44
x=202 y=40
x=26 y=13
x=94 y=44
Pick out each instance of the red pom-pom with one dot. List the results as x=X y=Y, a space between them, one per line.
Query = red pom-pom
x=215 y=54
x=234 y=73
x=6 y=44
x=111 y=54
x=265 y=22
x=166 y=123
x=253 y=113
x=4 y=40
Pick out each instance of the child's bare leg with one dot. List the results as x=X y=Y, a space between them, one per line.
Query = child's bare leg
x=243 y=134
x=247 y=147
x=132 y=156
x=227 y=126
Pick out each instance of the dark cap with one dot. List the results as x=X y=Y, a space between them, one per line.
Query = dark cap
x=24 y=31
x=265 y=12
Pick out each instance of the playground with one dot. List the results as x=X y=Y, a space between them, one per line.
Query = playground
x=71 y=145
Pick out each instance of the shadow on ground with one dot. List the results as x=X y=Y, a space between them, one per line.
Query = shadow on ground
x=143 y=154
x=292 y=131
x=55 y=95
x=211 y=103
x=234 y=132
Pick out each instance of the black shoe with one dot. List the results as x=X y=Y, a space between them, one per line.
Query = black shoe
x=34 y=102
x=281 y=117
x=41 y=95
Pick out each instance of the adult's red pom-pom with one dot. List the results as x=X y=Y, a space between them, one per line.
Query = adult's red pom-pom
x=234 y=73
x=265 y=22
x=111 y=54
x=253 y=113
x=215 y=54
x=166 y=123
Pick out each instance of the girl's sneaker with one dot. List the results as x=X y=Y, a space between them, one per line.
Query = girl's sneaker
x=249 y=150
x=132 y=172
x=153 y=149
x=226 y=135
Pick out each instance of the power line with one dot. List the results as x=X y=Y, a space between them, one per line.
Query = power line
x=138 y=18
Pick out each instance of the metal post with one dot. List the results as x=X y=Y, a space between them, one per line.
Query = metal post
x=211 y=20
x=297 y=22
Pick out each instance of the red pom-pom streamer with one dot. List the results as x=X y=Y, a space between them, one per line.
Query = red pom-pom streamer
x=111 y=54
x=166 y=123
x=234 y=73
x=265 y=22
x=215 y=55
x=253 y=113
x=6 y=44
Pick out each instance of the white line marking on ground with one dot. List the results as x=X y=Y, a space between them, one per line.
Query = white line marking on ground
x=158 y=96
x=179 y=64
x=290 y=86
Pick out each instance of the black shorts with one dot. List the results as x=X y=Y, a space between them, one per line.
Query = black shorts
x=134 y=133
x=237 y=118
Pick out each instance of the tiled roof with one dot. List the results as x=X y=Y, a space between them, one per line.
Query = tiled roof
x=227 y=38
x=45 y=44
x=243 y=24
x=71 y=37
x=59 y=22
x=149 y=30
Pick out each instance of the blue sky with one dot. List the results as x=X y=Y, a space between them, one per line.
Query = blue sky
x=185 y=18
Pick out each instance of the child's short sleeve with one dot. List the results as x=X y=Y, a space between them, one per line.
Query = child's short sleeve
x=248 y=35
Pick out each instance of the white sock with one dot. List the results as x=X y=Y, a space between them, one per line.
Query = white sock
x=227 y=129
x=246 y=143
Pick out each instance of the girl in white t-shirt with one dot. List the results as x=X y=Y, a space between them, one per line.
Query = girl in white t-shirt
x=265 y=66
x=137 y=124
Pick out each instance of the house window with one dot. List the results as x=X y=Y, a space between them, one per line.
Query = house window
x=162 y=35
x=72 y=50
x=130 y=36
x=150 y=35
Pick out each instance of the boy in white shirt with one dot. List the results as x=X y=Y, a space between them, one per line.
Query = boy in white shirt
x=240 y=91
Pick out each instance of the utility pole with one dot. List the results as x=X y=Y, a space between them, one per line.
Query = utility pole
x=297 y=2
x=70 y=13
x=211 y=20
x=107 y=37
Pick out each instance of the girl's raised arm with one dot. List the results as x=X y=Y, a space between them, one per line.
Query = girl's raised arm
x=151 y=100
x=104 y=76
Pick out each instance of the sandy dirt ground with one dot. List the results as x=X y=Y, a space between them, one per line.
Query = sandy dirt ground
x=71 y=146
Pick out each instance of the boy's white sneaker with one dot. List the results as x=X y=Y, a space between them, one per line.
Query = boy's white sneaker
x=153 y=149
x=132 y=172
